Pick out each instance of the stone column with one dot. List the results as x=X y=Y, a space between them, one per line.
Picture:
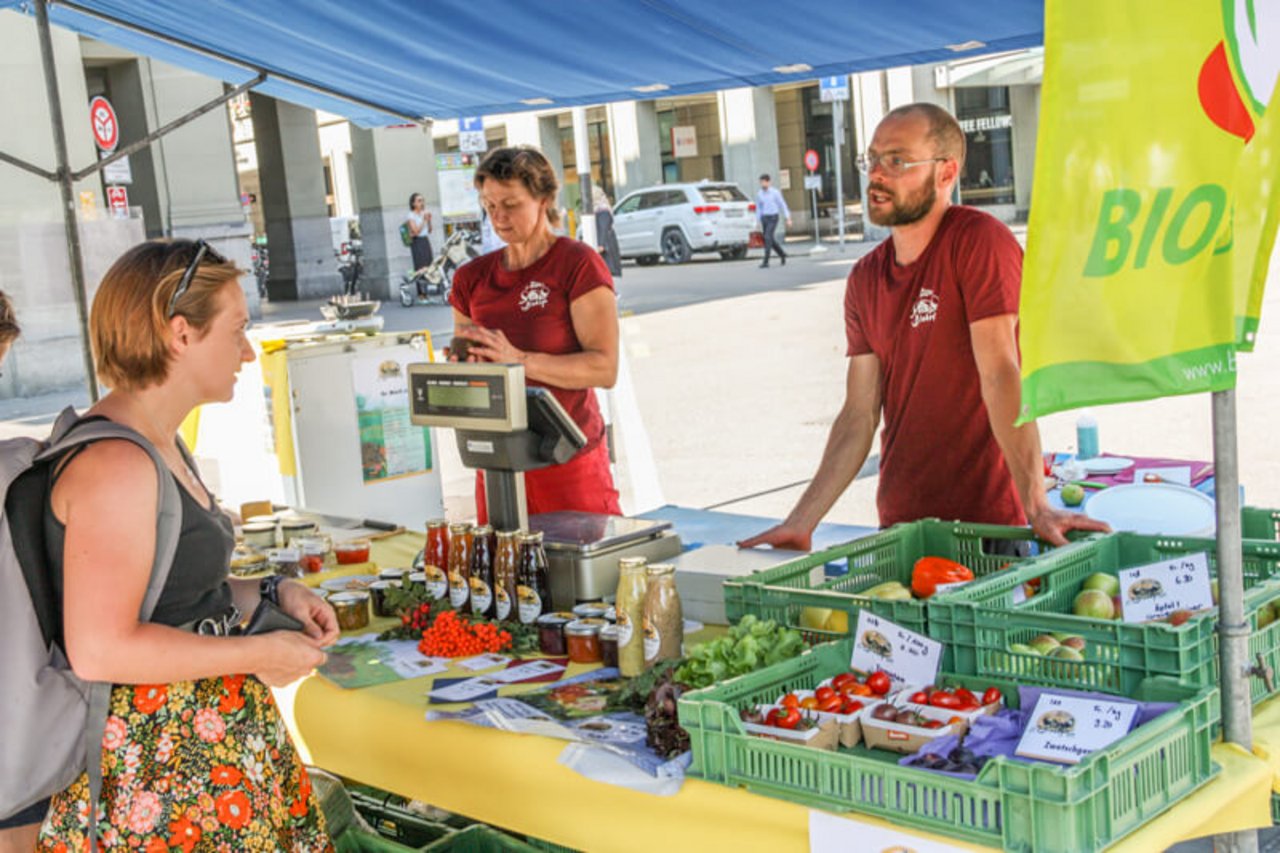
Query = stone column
x=391 y=164
x=291 y=174
x=748 y=135
x=633 y=134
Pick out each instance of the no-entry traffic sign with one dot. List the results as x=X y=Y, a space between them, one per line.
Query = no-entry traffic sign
x=811 y=160
x=106 y=130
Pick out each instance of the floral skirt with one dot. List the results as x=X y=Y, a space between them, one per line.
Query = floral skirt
x=195 y=765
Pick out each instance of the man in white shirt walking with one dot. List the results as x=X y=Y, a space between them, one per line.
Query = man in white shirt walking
x=769 y=206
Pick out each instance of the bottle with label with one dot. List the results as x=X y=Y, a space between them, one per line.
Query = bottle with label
x=506 y=565
x=533 y=593
x=460 y=567
x=629 y=609
x=483 y=545
x=1086 y=436
x=437 y=550
x=663 y=615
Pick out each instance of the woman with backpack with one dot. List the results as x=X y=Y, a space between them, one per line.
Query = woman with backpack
x=195 y=751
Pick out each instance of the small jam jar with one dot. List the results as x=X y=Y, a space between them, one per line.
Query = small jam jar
x=551 y=632
x=609 y=645
x=295 y=528
x=582 y=639
x=259 y=534
x=354 y=551
x=378 y=594
x=591 y=610
x=352 y=609
x=311 y=555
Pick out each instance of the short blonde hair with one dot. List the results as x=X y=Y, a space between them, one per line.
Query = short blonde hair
x=129 y=323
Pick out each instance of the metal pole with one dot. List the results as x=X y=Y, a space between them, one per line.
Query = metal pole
x=817 y=238
x=1233 y=627
x=63 y=172
x=837 y=115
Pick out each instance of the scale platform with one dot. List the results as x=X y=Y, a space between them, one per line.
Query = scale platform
x=583 y=550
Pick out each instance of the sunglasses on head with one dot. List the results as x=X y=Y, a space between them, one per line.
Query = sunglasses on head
x=203 y=250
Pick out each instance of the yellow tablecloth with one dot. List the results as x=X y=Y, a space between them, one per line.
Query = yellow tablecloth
x=378 y=736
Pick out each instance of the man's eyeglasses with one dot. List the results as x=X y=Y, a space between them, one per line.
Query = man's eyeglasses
x=203 y=250
x=891 y=164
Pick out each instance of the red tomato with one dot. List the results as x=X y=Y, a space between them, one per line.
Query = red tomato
x=933 y=724
x=856 y=688
x=991 y=695
x=789 y=718
x=809 y=703
x=791 y=700
x=841 y=680
x=966 y=707
x=850 y=706
x=919 y=698
x=879 y=682
x=831 y=704
x=771 y=718
x=822 y=694
x=964 y=694
x=943 y=699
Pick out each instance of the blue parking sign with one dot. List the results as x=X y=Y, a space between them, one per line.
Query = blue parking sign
x=834 y=88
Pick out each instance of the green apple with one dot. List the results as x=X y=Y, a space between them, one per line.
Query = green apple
x=1044 y=644
x=1066 y=653
x=1094 y=604
x=1072 y=494
x=1022 y=649
x=1110 y=584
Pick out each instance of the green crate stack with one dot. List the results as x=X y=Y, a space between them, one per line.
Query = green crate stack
x=783 y=592
x=1014 y=805
x=1258 y=523
x=479 y=839
x=978 y=622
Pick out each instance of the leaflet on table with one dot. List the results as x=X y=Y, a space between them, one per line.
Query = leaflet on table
x=1068 y=729
x=365 y=661
x=480 y=662
x=1157 y=590
x=907 y=657
x=452 y=690
x=622 y=733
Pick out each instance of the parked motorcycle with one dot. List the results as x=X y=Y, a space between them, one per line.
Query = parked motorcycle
x=433 y=282
x=350 y=265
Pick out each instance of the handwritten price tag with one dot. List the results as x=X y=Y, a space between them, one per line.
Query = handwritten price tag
x=1067 y=729
x=1156 y=590
x=907 y=657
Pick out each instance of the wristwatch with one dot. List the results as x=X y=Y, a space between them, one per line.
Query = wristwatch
x=269 y=589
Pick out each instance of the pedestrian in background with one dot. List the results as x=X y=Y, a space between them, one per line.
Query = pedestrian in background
x=770 y=205
x=606 y=237
x=420 y=227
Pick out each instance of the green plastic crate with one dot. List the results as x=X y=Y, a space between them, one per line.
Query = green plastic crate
x=479 y=839
x=978 y=622
x=1260 y=523
x=1275 y=809
x=1012 y=804
x=783 y=592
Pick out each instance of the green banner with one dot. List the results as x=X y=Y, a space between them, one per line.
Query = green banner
x=1157 y=197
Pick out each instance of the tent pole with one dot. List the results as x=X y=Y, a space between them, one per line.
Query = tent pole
x=63 y=173
x=1233 y=627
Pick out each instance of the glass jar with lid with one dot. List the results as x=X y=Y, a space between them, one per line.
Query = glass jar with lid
x=629 y=615
x=663 y=615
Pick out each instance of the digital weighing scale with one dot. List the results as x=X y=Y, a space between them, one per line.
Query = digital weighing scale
x=504 y=429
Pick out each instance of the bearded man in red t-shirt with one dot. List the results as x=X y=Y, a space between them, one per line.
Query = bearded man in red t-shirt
x=931 y=317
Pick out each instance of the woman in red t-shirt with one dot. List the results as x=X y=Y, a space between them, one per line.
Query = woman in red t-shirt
x=546 y=302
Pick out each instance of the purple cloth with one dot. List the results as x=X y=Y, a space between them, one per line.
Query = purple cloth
x=1200 y=471
x=999 y=733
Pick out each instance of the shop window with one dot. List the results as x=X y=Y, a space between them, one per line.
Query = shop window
x=987 y=122
x=819 y=135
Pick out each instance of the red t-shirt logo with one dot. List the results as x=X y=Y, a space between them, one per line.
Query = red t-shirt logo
x=534 y=295
x=926 y=308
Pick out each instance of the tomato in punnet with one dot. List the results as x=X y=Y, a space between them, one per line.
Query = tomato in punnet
x=831 y=704
x=991 y=695
x=965 y=695
x=809 y=703
x=919 y=698
x=842 y=679
x=856 y=688
x=879 y=682
x=791 y=700
x=851 y=706
x=788 y=719
x=944 y=699
x=823 y=694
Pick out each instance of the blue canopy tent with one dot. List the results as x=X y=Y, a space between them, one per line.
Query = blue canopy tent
x=387 y=61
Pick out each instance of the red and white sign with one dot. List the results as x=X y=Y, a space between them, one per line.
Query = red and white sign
x=684 y=141
x=811 y=160
x=118 y=200
x=106 y=130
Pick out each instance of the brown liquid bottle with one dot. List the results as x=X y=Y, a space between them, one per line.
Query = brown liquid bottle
x=460 y=567
x=482 y=552
x=506 y=567
x=437 y=551
x=534 y=589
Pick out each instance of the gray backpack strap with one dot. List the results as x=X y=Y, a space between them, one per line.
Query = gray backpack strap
x=168 y=529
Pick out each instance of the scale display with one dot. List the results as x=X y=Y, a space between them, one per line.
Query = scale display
x=488 y=397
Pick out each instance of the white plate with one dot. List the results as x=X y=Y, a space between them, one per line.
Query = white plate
x=1154 y=509
x=1106 y=464
x=350 y=582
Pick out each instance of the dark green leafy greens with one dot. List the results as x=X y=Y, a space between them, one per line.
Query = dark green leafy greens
x=750 y=645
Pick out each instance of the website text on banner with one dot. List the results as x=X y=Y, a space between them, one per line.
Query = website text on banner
x=1157 y=200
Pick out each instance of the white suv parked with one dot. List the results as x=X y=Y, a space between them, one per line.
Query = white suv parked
x=673 y=221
